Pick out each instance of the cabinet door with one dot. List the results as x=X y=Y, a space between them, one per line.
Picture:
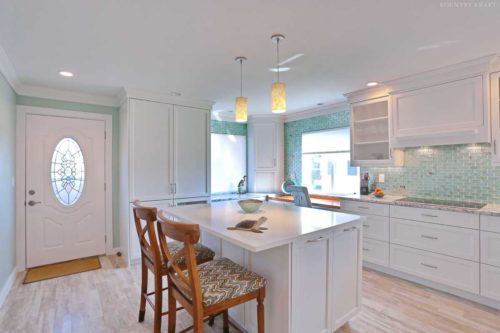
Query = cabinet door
x=311 y=269
x=495 y=117
x=346 y=298
x=490 y=282
x=265 y=146
x=490 y=248
x=448 y=113
x=150 y=129
x=191 y=152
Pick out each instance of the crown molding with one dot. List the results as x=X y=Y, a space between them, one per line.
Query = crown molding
x=162 y=98
x=8 y=71
x=319 y=111
x=266 y=118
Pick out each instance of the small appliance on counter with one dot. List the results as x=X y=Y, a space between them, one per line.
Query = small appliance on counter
x=364 y=186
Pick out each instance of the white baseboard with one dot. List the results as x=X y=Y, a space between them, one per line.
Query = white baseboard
x=434 y=285
x=7 y=286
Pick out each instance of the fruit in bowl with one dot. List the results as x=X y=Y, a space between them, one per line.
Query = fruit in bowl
x=378 y=193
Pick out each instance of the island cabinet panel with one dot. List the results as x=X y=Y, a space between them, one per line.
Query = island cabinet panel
x=490 y=282
x=311 y=272
x=346 y=278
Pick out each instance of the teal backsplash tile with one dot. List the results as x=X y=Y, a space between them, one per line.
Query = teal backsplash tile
x=457 y=172
x=227 y=127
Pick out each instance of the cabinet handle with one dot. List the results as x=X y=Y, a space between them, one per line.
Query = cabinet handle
x=320 y=238
x=429 y=215
x=365 y=249
x=429 y=237
x=495 y=146
x=427 y=265
x=363 y=207
x=175 y=188
x=366 y=226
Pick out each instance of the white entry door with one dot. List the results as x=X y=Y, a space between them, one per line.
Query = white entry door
x=65 y=189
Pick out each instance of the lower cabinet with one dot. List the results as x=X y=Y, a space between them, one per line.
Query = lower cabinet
x=376 y=252
x=454 y=272
x=346 y=299
x=325 y=295
x=490 y=282
x=311 y=268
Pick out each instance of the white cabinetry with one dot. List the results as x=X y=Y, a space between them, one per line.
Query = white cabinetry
x=164 y=157
x=346 y=299
x=265 y=154
x=495 y=116
x=490 y=282
x=370 y=134
x=448 y=113
x=311 y=311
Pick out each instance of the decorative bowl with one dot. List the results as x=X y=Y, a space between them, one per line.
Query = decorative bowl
x=250 y=205
x=378 y=196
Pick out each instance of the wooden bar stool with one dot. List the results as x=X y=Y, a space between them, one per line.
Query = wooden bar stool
x=207 y=289
x=153 y=260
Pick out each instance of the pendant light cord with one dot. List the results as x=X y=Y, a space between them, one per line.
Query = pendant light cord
x=241 y=77
x=278 y=56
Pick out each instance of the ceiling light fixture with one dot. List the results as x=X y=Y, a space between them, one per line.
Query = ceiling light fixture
x=241 y=104
x=66 y=74
x=278 y=90
x=372 y=84
x=281 y=69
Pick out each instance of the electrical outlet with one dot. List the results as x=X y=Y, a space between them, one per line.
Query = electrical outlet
x=381 y=177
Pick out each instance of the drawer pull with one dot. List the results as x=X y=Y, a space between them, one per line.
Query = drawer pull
x=316 y=239
x=429 y=237
x=363 y=207
x=365 y=249
x=366 y=225
x=427 y=265
x=429 y=215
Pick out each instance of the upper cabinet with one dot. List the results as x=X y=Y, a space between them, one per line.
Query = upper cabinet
x=370 y=136
x=265 y=154
x=495 y=117
x=448 y=113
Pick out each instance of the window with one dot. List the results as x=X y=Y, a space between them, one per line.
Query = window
x=67 y=171
x=229 y=162
x=326 y=162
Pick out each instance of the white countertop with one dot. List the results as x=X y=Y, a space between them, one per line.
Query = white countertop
x=285 y=222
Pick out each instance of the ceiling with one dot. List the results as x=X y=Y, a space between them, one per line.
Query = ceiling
x=190 y=46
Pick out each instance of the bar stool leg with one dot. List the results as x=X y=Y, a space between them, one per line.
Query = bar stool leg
x=144 y=290
x=225 y=318
x=158 y=302
x=260 y=310
x=172 y=312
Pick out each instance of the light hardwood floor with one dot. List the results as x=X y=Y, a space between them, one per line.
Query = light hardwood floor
x=106 y=300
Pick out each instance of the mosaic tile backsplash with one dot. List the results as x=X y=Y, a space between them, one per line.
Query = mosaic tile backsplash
x=454 y=172
x=227 y=127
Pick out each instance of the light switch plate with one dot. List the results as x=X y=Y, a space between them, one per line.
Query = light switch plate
x=381 y=177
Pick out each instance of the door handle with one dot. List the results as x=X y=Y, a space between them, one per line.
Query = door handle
x=316 y=239
x=33 y=203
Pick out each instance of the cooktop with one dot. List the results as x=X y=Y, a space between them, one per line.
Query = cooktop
x=441 y=202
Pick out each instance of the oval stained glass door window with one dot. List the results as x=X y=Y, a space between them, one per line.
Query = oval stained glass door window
x=67 y=171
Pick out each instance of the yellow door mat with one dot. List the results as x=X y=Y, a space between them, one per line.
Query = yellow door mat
x=61 y=269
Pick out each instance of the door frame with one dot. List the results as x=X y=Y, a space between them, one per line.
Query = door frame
x=20 y=178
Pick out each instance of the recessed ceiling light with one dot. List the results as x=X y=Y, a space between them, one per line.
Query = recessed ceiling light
x=282 y=69
x=175 y=93
x=319 y=104
x=66 y=74
x=372 y=84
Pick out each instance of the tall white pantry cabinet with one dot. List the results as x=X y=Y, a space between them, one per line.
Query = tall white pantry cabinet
x=164 y=157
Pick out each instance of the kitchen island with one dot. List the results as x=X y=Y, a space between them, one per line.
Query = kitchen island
x=311 y=259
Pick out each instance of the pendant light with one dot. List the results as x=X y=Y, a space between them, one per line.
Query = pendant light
x=278 y=93
x=241 y=105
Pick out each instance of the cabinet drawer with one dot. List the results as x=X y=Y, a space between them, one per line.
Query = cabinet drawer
x=364 y=208
x=376 y=227
x=490 y=223
x=490 y=282
x=454 y=219
x=457 y=242
x=454 y=272
x=490 y=248
x=376 y=252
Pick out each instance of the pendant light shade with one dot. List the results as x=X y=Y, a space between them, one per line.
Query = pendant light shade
x=241 y=104
x=278 y=97
x=241 y=109
x=278 y=90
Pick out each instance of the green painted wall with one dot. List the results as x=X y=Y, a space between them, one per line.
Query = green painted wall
x=7 y=172
x=458 y=172
x=82 y=107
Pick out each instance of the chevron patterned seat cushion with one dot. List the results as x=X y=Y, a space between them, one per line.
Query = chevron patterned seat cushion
x=203 y=253
x=221 y=279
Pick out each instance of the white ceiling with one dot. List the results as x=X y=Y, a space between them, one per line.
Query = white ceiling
x=189 y=46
